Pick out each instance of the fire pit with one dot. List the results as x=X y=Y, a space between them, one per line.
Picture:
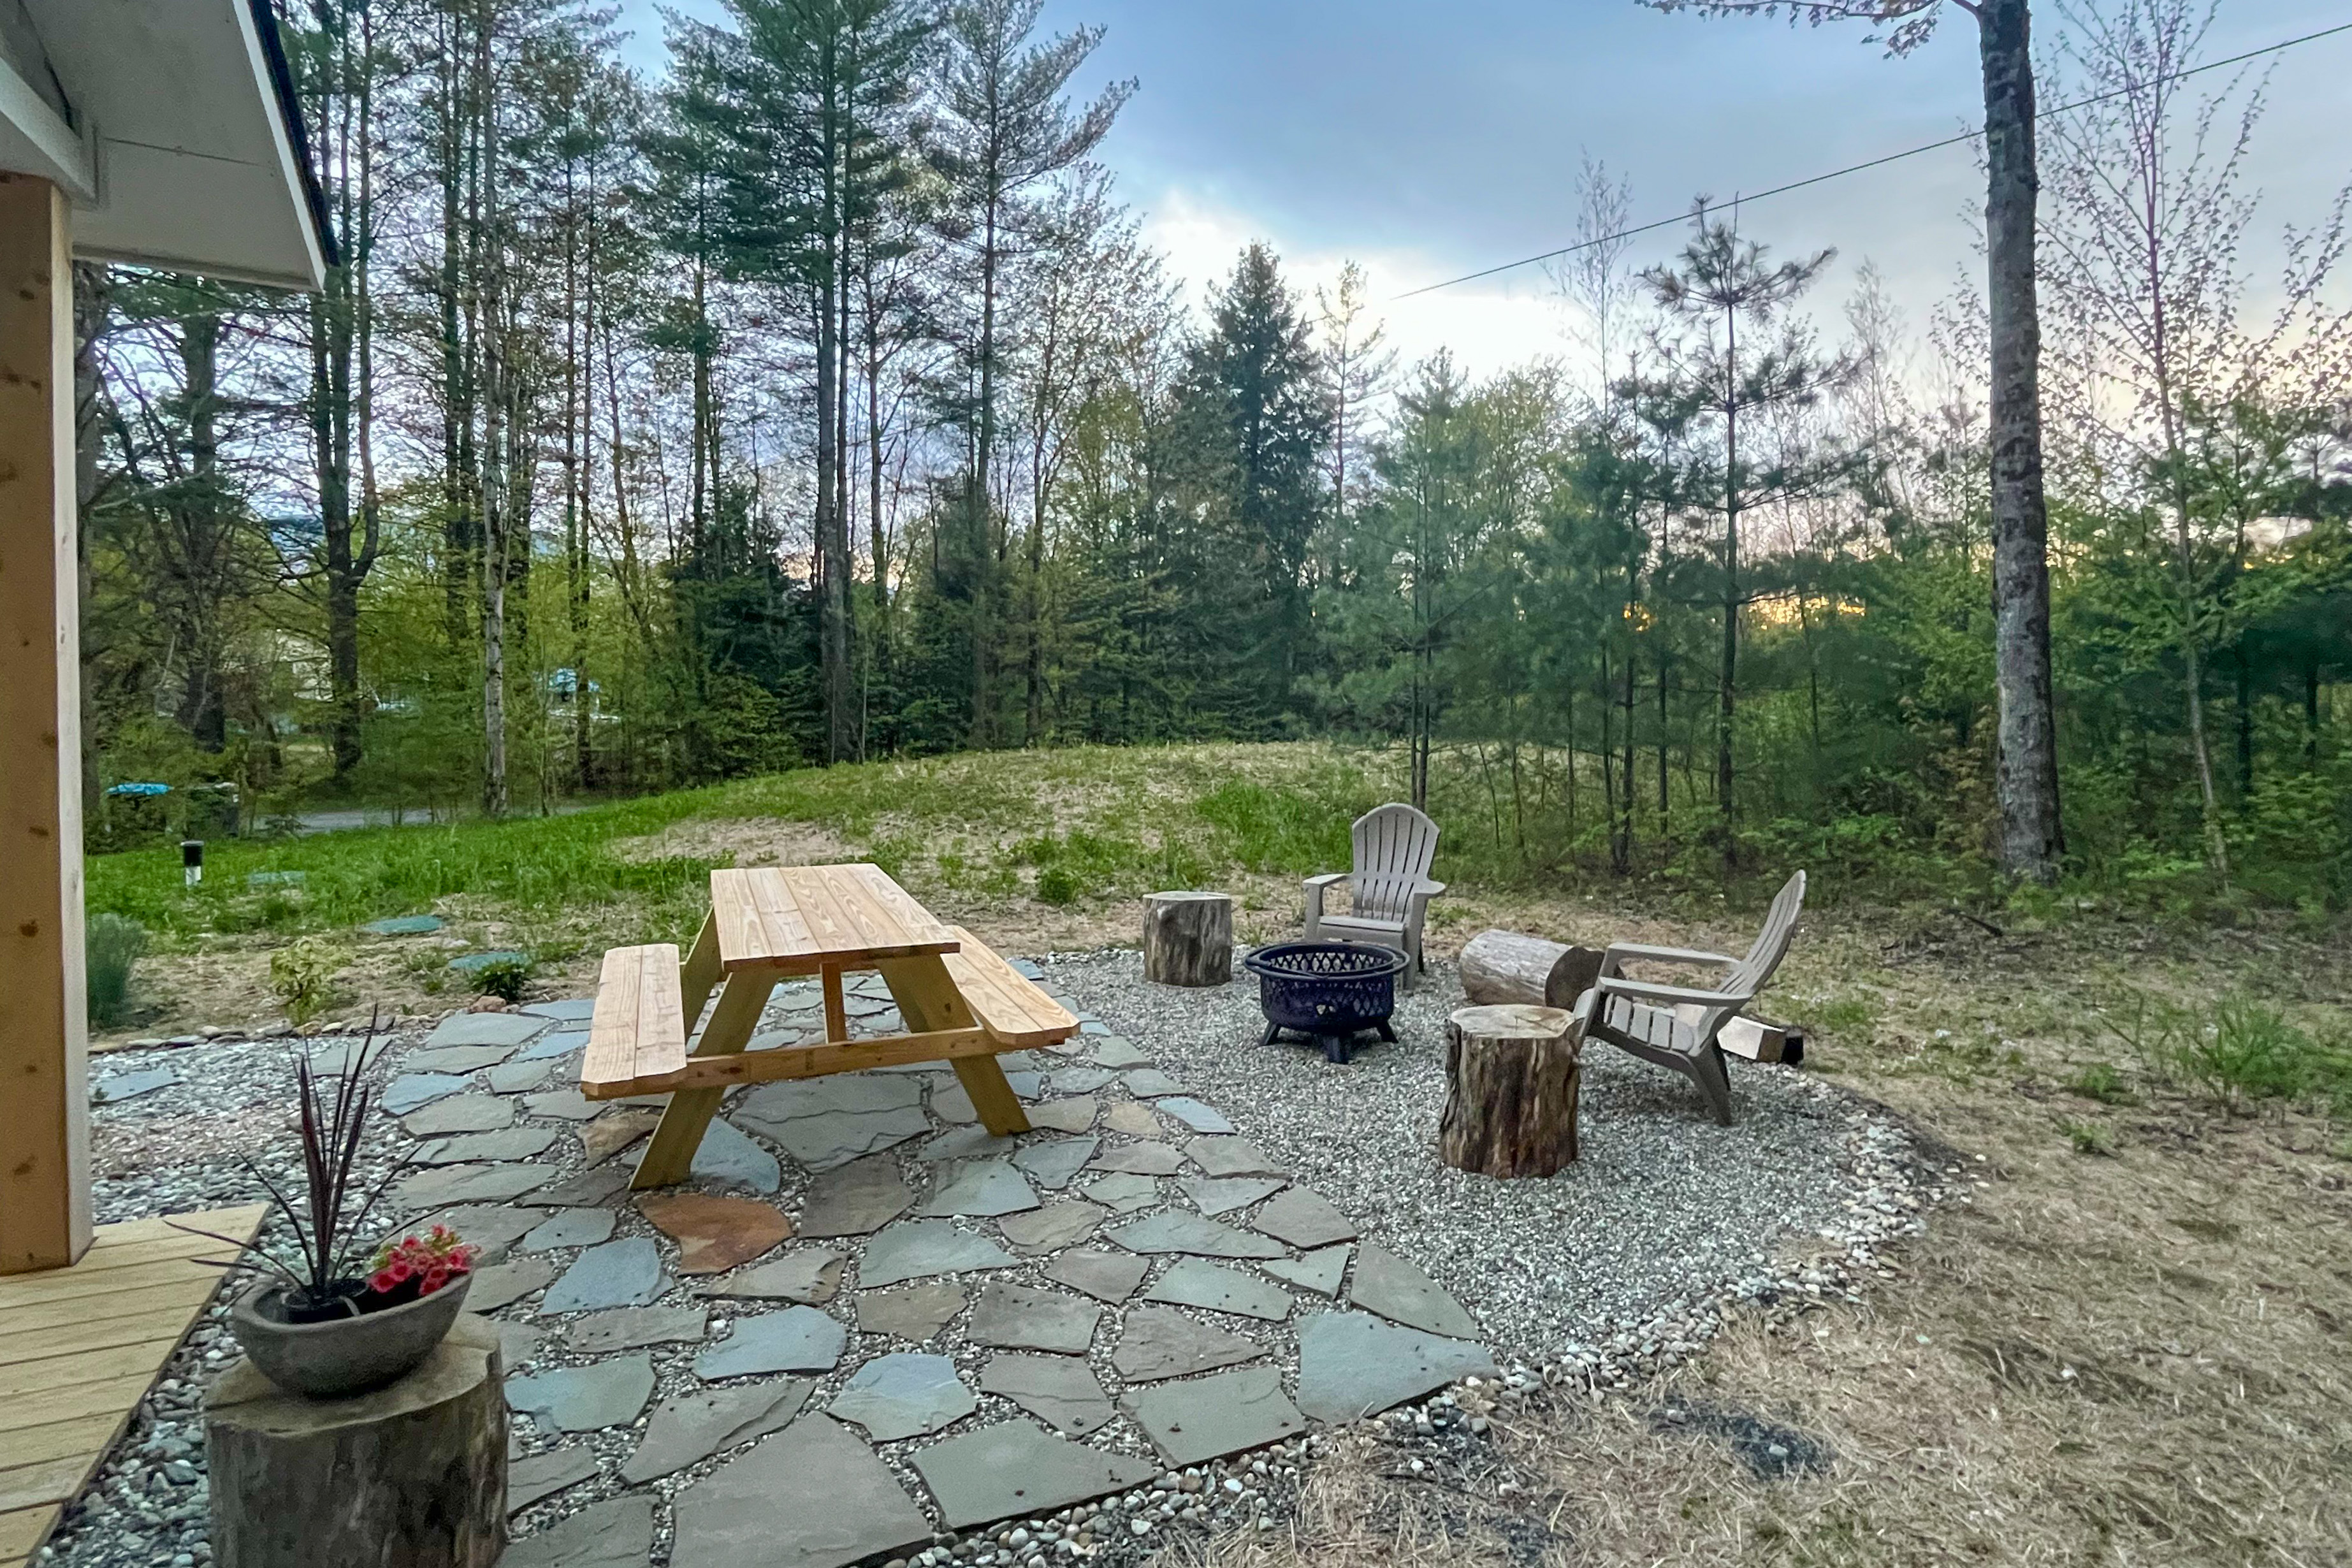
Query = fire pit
x=1331 y=989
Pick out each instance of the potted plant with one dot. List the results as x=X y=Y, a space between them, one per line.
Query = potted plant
x=337 y=1316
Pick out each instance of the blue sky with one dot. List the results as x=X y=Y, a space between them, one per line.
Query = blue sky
x=1431 y=139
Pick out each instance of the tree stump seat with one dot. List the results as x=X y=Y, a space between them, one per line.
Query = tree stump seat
x=1188 y=938
x=1510 y=1108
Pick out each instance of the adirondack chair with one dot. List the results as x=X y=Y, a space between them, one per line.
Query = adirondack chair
x=1676 y=1026
x=1389 y=890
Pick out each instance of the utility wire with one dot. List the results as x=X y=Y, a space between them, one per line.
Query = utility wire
x=1873 y=163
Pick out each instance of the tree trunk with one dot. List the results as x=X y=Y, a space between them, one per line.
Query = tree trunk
x=1510 y=1107
x=1188 y=938
x=1502 y=967
x=2026 y=755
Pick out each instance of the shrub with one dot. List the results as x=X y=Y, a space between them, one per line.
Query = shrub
x=1057 y=885
x=2243 y=1050
x=113 y=946
x=2088 y=1137
x=2102 y=1083
x=504 y=979
x=303 y=975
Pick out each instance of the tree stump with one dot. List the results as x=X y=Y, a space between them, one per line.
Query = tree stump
x=1511 y=1106
x=1188 y=938
x=1502 y=966
x=412 y=1476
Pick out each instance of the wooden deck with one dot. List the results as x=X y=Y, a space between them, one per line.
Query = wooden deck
x=78 y=1348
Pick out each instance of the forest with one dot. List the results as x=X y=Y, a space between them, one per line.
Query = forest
x=820 y=400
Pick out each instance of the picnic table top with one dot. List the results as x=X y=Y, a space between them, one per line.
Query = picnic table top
x=799 y=919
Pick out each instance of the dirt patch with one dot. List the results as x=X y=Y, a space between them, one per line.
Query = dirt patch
x=737 y=841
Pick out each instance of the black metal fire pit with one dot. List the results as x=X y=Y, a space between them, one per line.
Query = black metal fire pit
x=1331 y=989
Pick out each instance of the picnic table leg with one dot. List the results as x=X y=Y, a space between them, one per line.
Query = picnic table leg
x=668 y=1158
x=836 y=1010
x=698 y=975
x=927 y=999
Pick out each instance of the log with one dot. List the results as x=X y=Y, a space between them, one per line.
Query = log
x=1510 y=1104
x=411 y=1476
x=1501 y=967
x=1188 y=938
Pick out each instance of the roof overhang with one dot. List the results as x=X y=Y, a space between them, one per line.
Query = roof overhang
x=171 y=126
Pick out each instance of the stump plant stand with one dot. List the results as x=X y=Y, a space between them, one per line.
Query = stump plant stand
x=1188 y=938
x=1511 y=1106
x=410 y=1475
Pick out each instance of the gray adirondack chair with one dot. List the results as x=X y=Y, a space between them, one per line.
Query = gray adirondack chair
x=1676 y=1026
x=1389 y=890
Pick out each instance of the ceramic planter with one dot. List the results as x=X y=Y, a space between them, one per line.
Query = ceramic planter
x=344 y=1356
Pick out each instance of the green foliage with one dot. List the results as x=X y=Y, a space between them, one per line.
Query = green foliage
x=1057 y=885
x=302 y=976
x=113 y=947
x=2102 y=1083
x=2088 y=1138
x=506 y=979
x=2238 y=1050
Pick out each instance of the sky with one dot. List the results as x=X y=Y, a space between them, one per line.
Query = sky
x=1427 y=140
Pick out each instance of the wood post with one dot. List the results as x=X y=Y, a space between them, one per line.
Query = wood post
x=45 y=1212
x=412 y=1475
x=1502 y=966
x=1188 y=938
x=1510 y=1109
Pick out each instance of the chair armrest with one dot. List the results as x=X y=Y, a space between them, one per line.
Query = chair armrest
x=1425 y=888
x=1672 y=996
x=1327 y=879
x=1648 y=954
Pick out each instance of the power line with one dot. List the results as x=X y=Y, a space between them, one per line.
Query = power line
x=1871 y=163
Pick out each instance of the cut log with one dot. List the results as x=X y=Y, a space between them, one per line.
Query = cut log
x=1188 y=938
x=1510 y=1107
x=1501 y=967
x=412 y=1476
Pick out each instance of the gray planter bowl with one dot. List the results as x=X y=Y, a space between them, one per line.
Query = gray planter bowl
x=347 y=1355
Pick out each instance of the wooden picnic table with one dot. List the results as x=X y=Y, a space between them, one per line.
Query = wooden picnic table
x=962 y=1003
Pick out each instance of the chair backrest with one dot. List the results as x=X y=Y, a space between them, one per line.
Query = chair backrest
x=1750 y=974
x=1396 y=846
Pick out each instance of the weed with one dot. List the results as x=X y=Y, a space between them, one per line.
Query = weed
x=1851 y=1017
x=112 y=948
x=504 y=979
x=2102 y=1083
x=2088 y=1138
x=303 y=975
x=2243 y=1050
x=1058 y=886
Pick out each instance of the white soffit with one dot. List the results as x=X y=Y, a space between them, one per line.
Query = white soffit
x=185 y=159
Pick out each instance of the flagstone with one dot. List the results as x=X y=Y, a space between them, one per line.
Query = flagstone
x=1116 y=1051
x=1014 y=1470
x=688 y=1428
x=493 y=1228
x=906 y=1394
x=1403 y=1293
x=1058 y=1390
x=508 y=1030
x=1140 y=1159
x=828 y=1121
x=415 y=1090
x=1053 y=1228
x=584 y=1398
x=520 y=1077
x=1021 y=1318
x=569 y=1227
x=561 y=1043
x=980 y=1189
x=404 y=925
x=1147 y=1083
x=971 y=1142
x=1080 y=1079
x=798 y=1339
x=1231 y=1157
x=502 y=1284
x=1223 y=1194
x=1108 y=1276
x=114 y=1087
x=468 y=1184
x=1134 y=1118
x=1304 y=1219
x=949 y=1102
x=616 y=1534
x=1195 y=1282
x=1073 y=1115
x=1173 y=1230
x=911 y=1248
x=856 y=1199
x=586 y=1190
x=518 y=1342
x=1195 y=1114
x=1351 y=1365
x=634 y=1327
x=538 y=1476
x=460 y=1113
x=615 y=1131
x=569 y=1104
x=566 y=1010
x=725 y=1156
x=1193 y=1422
x=625 y=1273
x=1155 y=1343
x=506 y=1143
x=715 y=1234
x=731 y=1518
x=916 y=1312
x=460 y=1059
x=1054 y=1163
x=810 y=1277
x=1318 y=1271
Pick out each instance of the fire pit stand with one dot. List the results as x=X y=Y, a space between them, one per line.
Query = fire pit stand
x=1333 y=991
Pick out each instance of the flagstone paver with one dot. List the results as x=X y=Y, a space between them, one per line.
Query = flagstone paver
x=715 y=1234
x=1134 y=1118
x=1401 y=1292
x=537 y=1476
x=586 y=1190
x=1155 y=1343
x=1214 y=1195
x=518 y=1342
x=1053 y=1228
x=614 y=1534
x=688 y=1428
x=625 y=1273
x=571 y=1010
x=634 y=1327
x=1149 y=1083
x=912 y=1248
x=415 y=1091
x=520 y=1077
x=1116 y=1051
x=828 y=1121
x=460 y=1113
x=1192 y=1422
x=458 y=1059
x=807 y=1277
x=1124 y=1194
x=729 y=1158
x=1107 y=1276
x=1054 y=1163
x=1075 y=1114
x=494 y=1228
x=617 y=1130
x=798 y=1339
x=1140 y=1160
x=1058 y=1390
x=567 y=1104
x=980 y=1189
x=569 y=1227
x=1196 y=1282
x=507 y=1143
x=1318 y=1271
x=906 y=1394
x=508 y=1030
x=551 y=1047
x=467 y=1184
x=730 y=1519
x=972 y=1143
x=1079 y=1079
x=584 y=1398
x=1231 y=1157
x=1304 y=1219
x=1195 y=1114
x=1172 y=1230
x=1351 y=1365
x=1022 y=1318
x=503 y=1283
x=1014 y=1469
x=916 y=1312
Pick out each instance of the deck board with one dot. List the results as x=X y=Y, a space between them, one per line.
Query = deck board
x=79 y=1348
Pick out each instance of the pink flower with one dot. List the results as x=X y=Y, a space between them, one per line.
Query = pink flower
x=383 y=1282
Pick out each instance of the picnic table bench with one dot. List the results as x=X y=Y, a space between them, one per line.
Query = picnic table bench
x=963 y=1005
